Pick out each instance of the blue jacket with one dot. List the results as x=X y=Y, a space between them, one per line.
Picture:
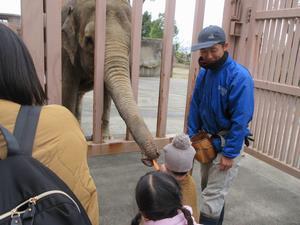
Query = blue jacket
x=223 y=100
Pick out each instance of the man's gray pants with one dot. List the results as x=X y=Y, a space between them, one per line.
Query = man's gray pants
x=215 y=184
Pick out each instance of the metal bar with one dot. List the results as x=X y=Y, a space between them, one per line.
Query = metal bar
x=273 y=139
x=194 y=67
x=263 y=122
x=293 y=141
x=280 y=51
x=296 y=78
x=270 y=123
x=53 y=50
x=100 y=24
x=293 y=57
x=287 y=129
x=296 y=155
x=136 y=24
x=276 y=14
x=256 y=104
x=282 y=120
x=289 y=3
x=276 y=87
x=263 y=52
x=227 y=14
x=166 y=68
x=275 y=49
x=259 y=119
x=287 y=53
x=267 y=61
x=32 y=24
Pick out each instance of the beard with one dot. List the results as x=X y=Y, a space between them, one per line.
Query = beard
x=213 y=65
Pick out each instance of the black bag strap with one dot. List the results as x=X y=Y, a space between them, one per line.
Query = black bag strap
x=25 y=127
x=11 y=141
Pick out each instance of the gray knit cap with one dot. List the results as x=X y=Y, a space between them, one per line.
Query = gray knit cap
x=179 y=154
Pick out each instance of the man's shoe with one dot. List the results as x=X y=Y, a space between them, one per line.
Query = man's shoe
x=221 y=216
x=208 y=221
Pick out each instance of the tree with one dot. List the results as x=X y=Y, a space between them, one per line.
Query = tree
x=146 y=24
x=155 y=28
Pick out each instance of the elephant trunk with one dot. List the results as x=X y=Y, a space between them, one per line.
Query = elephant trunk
x=118 y=84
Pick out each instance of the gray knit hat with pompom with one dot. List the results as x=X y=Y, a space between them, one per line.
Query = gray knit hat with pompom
x=179 y=154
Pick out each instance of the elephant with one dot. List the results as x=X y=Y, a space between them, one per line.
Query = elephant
x=78 y=38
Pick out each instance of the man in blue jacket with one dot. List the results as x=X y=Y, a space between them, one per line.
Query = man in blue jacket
x=222 y=105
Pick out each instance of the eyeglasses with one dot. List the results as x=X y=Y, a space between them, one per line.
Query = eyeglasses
x=150 y=163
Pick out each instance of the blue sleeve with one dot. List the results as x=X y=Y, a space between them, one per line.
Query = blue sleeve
x=241 y=106
x=194 y=121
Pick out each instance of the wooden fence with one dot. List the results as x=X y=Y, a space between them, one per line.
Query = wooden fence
x=41 y=31
x=265 y=35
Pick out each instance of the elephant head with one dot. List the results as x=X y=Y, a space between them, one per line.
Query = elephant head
x=78 y=38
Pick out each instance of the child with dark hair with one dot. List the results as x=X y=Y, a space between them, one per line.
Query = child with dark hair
x=179 y=157
x=158 y=196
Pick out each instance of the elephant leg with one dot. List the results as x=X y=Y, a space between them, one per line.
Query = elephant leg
x=78 y=109
x=106 y=116
x=70 y=85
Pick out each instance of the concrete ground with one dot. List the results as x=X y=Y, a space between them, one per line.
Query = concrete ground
x=261 y=194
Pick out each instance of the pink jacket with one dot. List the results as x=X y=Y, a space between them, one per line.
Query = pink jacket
x=179 y=219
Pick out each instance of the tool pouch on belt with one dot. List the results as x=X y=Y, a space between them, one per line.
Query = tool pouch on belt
x=205 y=151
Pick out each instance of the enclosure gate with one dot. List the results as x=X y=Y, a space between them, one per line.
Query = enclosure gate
x=265 y=37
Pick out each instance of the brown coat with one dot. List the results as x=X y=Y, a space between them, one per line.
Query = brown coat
x=61 y=146
x=189 y=195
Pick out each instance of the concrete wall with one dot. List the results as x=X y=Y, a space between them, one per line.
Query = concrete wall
x=150 y=57
x=11 y=20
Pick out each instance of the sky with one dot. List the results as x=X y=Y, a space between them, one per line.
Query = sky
x=184 y=14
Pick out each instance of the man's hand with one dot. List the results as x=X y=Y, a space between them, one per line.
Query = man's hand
x=225 y=163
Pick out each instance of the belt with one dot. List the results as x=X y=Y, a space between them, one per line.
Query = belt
x=221 y=135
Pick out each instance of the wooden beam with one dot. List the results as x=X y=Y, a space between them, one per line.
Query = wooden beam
x=121 y=146
x=277 y=87
x=136 y=31
x=53 y=50
x=282 y=166
x=194 y=67
x=277 y=14
x=100 y=25
x=136 y=21
x=228 y=12
x=166 y=68
x=32 y=25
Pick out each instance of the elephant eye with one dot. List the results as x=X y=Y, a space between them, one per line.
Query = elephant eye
x=89 y=41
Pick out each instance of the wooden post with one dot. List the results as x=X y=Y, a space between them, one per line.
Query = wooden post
x=194 y=67
x=136 y=24
x=53 y=50
x=32 y=23
x=100 y=25
x=166 y=68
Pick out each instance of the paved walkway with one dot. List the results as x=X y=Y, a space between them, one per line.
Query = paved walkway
x=261 y=195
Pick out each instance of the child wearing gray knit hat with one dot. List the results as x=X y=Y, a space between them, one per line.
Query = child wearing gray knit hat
x=179 y=158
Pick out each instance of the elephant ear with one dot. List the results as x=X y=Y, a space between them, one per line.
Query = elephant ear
x=69 y=40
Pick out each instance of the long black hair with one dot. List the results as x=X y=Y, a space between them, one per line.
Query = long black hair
x=18 y=78
x=158 y=196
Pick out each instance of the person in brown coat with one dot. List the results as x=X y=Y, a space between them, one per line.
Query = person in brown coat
x=59 y=142
x=179 y=156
